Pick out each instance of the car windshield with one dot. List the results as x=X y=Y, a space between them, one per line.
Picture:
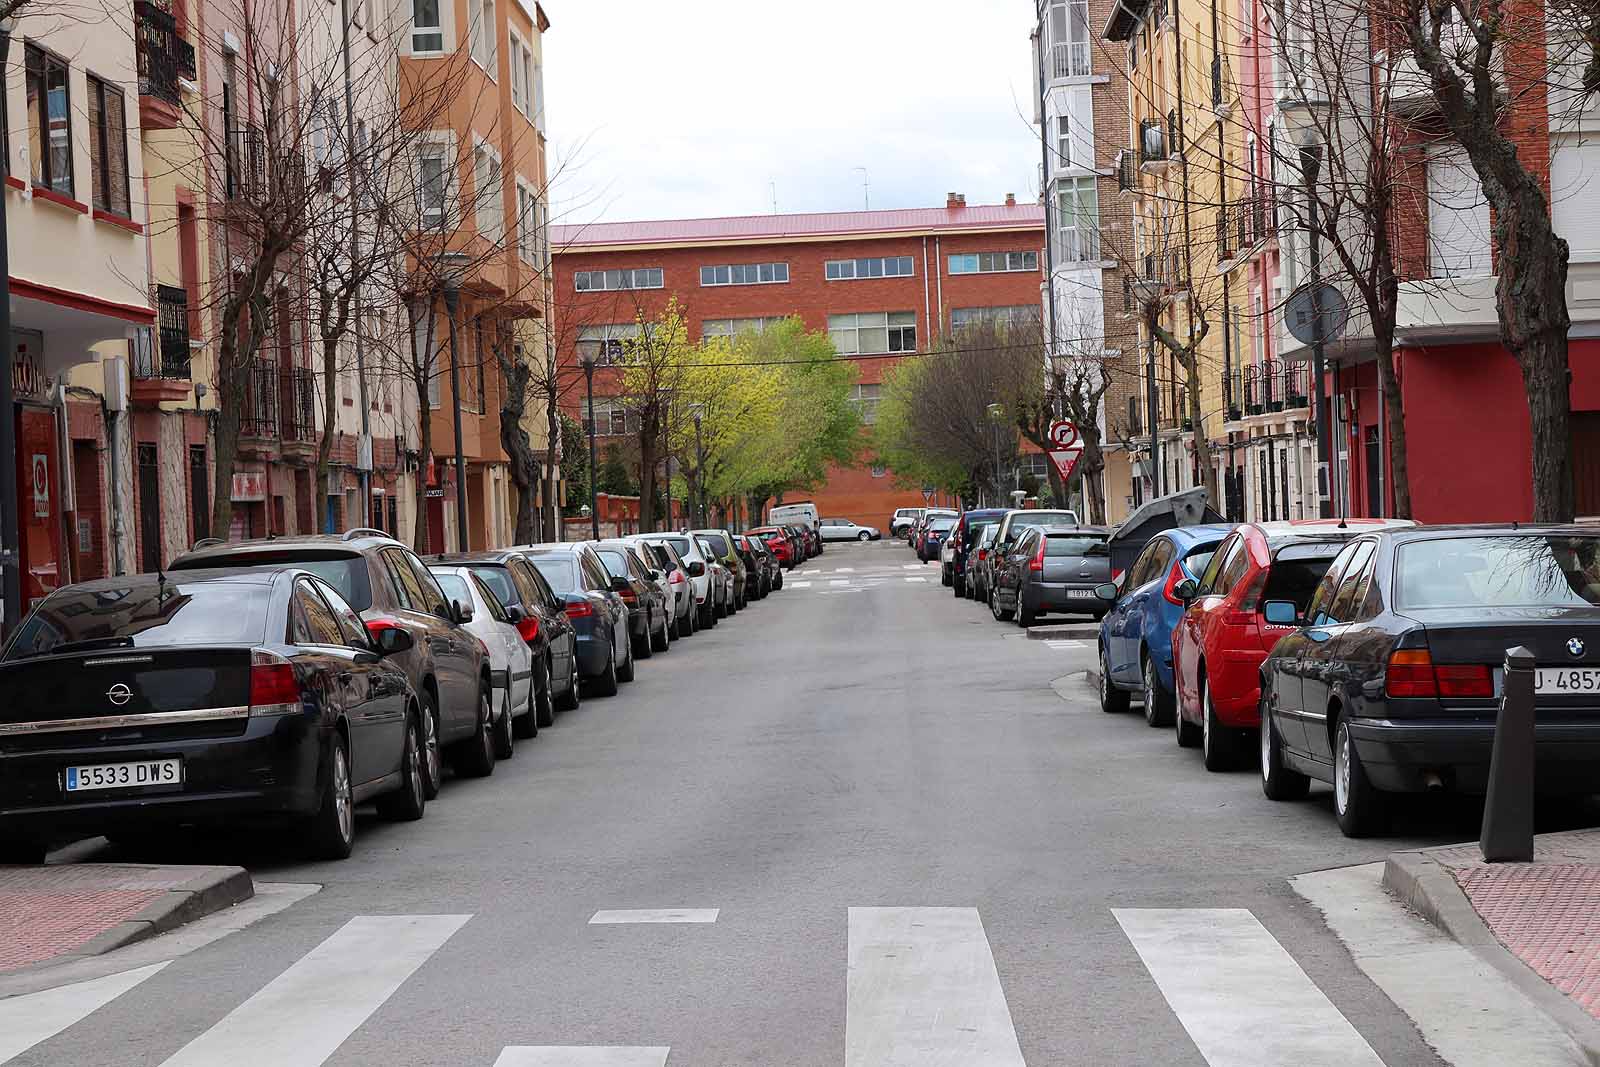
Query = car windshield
x=1508 y=570
x=1071 y=545
x=346 y=572
x=149 y=614
x=558 y=571
x=454 y=586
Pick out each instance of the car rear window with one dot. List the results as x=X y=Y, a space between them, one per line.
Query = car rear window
x=1070 y=545
x=616 y=561
x=147 y=615
x=942 y=524
x=455 y=587
x=681 y=544
x=718 y=542
x=1195 y=562
x=498 y=579
x=1509 y=570
x=345 y=571
x=1296 y=570
x=558 y=571
x=1043 y=518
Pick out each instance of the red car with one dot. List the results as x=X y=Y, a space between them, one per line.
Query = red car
x=1221 y=640
x=780 y=543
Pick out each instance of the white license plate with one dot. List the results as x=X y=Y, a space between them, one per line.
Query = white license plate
x=125 y=775
x=1561 y=681
x=1081 y=594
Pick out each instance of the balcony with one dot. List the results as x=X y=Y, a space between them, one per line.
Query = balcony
x=163 y=58
x=252 y=173
x=299 y=407
x=1069 y=59
x=1152 y=146
x=1233 y=394
x=1272 y=386
x=259 y=418
x=1126 y=179
x=160 y=371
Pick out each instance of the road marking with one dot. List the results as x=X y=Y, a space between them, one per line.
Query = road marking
x=923 y=991
x=1467 y=1011
x=909 y=578
x=1243 y=999
x=34 y=1017
x=838 y=581
x=304 y=1015
x=654 y=915
x=844 y=570
x=581 y=1056
x=799 y=585
x=1062 y=646
x=911 y=566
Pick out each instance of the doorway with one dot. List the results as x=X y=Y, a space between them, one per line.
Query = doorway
x=1373 y=460
x=149 y=509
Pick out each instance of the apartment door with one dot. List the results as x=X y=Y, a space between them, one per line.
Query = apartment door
x=199 y=493
x=1374 y=460
x=149 y=475
x=90 y=533
x=39 y=504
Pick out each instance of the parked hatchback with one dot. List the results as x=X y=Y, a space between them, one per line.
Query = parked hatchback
x=1051 y=569
x=204 y=697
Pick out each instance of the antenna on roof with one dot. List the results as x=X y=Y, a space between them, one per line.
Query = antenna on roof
x=774 y=184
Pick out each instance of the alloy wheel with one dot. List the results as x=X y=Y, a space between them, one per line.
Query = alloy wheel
x=1266 y=743
x=430 y=747
x=343 y=802
x=1341 y=772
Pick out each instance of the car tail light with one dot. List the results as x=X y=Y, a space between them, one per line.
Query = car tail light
x=1464 y=679
x=274 y=689
x=580 y=609
x=677 y=578
x=983 y=553
x=528 y=627
x=1037 y=562
x=1410 y=674
x=1174 y=576
x=628 y=596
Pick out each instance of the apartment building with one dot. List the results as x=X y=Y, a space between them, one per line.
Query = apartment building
x=884 y=284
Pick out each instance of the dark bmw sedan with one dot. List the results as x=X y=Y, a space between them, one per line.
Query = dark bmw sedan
x=1392 y=679
x=207 y=697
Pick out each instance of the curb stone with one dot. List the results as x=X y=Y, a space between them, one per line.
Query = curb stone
x=1431 y=891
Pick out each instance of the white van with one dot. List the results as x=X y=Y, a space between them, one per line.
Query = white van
x=803 y=512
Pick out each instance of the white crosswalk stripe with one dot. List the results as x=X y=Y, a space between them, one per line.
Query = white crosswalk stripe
x=27 y=1020
x=653 y=915
x=302 y=1016
x=1064 y=645
x=838 y=581
x=799 y=585
x=1243 y=999
x=909 y=578
x=581 y=1056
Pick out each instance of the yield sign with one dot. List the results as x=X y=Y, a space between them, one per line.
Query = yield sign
x=1066 y=448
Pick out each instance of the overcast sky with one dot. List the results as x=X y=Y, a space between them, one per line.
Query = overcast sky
x=680 y=110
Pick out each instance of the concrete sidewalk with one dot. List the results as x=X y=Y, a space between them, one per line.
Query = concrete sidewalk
x=68 y=911
x=1538 y=923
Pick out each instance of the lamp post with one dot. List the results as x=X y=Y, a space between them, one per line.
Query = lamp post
x=450 y=277
x=1310 y=166
x=10 y=539
x=587 y=358
x=700 y=467
x=996 y=415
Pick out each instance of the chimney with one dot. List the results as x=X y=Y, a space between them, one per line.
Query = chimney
x=952 y=201
x=1011 y=200
x=961 y=198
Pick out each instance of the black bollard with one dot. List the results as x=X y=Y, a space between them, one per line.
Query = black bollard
x=1508 y=809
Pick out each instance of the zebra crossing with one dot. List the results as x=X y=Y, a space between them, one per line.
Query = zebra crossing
x=851 y=579
x=921 y=988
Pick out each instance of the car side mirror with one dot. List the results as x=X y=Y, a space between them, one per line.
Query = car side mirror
x=391 y=640
x=1107 y=591
x=1185 y=590
x=513 y=615
x=655 y=576
x=696 y=569
x=1280 y=612
x=462 y=613
x=620 y=585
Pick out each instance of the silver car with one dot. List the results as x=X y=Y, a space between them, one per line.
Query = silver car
x=847 y=530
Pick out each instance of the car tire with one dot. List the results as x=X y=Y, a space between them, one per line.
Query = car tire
x=644 y=645
x=1278 y=781
x=863 y=536
x=407 y=803
x=1359 y=807
x=432 y=756
x=690 y=621
x=1219 y=744
x=629 y=667
x=674 y=629
x=1157 y=705
x=1026 y=617
x=958 y=586
x=503 y=734
x=331 y=831
x=573 y=695
x=606 y=684
x=1188 y=733
x=21 y=850
x=945 y=577
x=662 y=639
x=474 y=757
x=1000 y=614
x=1113 y=701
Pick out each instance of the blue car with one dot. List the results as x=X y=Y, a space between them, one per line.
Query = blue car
x=1136 y=633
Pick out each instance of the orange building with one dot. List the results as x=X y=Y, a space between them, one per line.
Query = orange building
x=882 y=283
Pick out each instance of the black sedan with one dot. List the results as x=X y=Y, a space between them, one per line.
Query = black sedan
x=639 y=586
x=205 y=697
x=598 y=615
x=1051 y=569
x=1392 y=680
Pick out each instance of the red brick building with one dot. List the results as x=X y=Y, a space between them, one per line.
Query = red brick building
x=882 y=282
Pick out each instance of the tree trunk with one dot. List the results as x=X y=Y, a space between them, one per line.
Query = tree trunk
x=1399 y=481
x=1202 y=443
x=552 y=467
x=649 y=432
x=523 y=463
x=1091 y=467
x=330 y=377
x=425 y=452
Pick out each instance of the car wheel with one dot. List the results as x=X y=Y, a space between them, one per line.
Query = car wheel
x=474 y=757
x=503 y=733
x=527 y=724
x=1219 y=745
x=406 y=804
x=863 y=536
x=628 y=669
x=1000 y=613
x=606 y=684
x=1359 y=807
x=1188 y=732
x=1026 y=617
x=573 y=694
x=959 y=586
x=331 y=834
x=432 y=758
x=674 y=629
x=690 y=621
x=1157 y=705
x=1113 y=701
x=21 y=850
x=662 y=639
x=1278 y=782
x=945 y=577
x=644 y=645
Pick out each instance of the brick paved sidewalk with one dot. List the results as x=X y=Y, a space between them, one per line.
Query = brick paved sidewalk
x=53 y=912
x=1547 y=912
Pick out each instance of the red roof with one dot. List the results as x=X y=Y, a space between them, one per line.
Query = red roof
x=815 y=225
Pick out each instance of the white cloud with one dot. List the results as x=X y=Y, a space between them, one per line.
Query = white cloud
x=661 y=110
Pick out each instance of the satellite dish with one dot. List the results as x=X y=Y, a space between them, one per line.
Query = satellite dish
x=1300 y=312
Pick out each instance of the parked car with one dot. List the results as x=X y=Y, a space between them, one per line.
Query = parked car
x=1389 y=679
x=540 y=617
x=675 y=582
x=781 y=543
x=208 y=697
x=758 y=576
x=510 y=659
x=847 y=530
x=980 y=565
x=933 y=536
x=701 y=579
x=721 y=544
x=915 y=530
x=773 y=564
x=388 y=585
x=1015 y=520
x=810 y=539
x=1222 y=637
x=597 y=612
x=902 y=519
x=635 y=581
x=1136 y=634
x=961 y=541
x=1052 y=569
x=721 y=582
x=802 y=512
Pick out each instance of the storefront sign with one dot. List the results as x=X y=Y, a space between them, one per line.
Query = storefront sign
x=41 y=486
x=249 y=486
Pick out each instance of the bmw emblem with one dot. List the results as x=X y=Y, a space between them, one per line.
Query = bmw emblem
x=1575 y=647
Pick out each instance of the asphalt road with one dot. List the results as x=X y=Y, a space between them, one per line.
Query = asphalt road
x=862 y=742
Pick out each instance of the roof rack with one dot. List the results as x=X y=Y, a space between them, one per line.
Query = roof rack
x=206 y=542
x=364 y=531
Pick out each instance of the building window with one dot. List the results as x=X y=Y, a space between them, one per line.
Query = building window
x=745 y=274
x=491 y=192
x=993 y=262
x=879 y=267
x=527 y=224
x=734 y=327
x=1069 y=38
x=538 y=97
x=1063 y=141
x=609 y=417
x=483 y=32
x=433 y=186
x=1077 y=220
x=865 y=398
x=522 y=58
x=427 y=32
x=1014 y=315
x=636 y=278
x=873 y=332
x=49 y=121
x=108 y=147
x=608 y=343
x=879 y=470
x=519 y=77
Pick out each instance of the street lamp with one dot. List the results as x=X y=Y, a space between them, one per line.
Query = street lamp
x=451 y=265
x=1148 y=291
x=587 y=357
x=997 y=415
x=700 y=467
x=1310 y=167
x=10 y=538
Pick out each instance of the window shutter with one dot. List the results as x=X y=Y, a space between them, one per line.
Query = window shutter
x=117 y=154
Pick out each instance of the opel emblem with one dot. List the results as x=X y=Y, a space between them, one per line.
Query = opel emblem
x=120 y=694
x=1575 y=647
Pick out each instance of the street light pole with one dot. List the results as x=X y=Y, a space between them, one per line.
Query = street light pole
x=1310 y=165
x=10 y=538
x=1149 y=293
x=452 y=298
x=588 y=359
x=700 y=467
